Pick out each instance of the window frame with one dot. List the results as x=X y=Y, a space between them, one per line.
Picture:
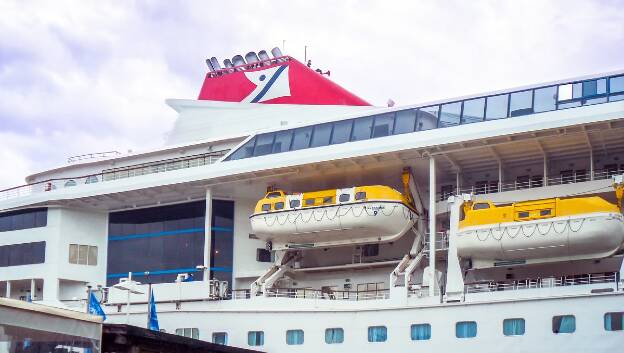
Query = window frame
x=338 y=329
x=558 y=332
x=412 y=326
x=514 y=334
x=256 y=335
x=457 y=326
x=297 y=343
x=370 y=335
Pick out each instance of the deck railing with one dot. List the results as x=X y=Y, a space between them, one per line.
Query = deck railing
x=549 y=282
x=309 y=293
x=113 y=174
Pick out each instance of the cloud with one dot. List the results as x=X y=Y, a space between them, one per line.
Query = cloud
x=92 y=76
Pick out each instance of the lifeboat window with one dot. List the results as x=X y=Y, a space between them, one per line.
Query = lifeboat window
x=294 y=203
x=546 y=212
x=481 y=206
x=523 y=214
x=328 y=199
x=361 y=195
x=273 y=195
x=309 y=202
x=279 y=205
x=266 y=207
x=344 y=197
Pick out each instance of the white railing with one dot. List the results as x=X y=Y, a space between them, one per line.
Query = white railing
x=307 y=293
x=530 y=184
x=113 y=174
x=441 y=241
x=96 y=155
x=549 y=282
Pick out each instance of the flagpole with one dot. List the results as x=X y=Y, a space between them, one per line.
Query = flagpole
x=88 y=298
x=149 y=299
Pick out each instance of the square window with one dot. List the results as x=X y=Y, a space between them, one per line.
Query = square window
x=263 y=255
x=563 y=324
x=513 y=327
x=219 y=338
x=279 y=205
x=295 y=203
x=521 y=103
x=614 y=321
x=473 y=111
x=616 y=84
x=266 y=207
x=427 y=118
x=496 y=107
x=342 y=131
x=466 y=329
x=545 y=99
x=294 y=337
x=405 y=121
x=309 y=202
x=362 y=129
x=360 y=195
x=321 y=135
x=450 y=114
x=344 y=197
x=384 y=125
x=377 y=334
x=255 y=338
x=334 y=335
x=420 y=332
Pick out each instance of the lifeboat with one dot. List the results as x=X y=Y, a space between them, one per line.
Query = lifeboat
x=545 y=230
x=363 y=214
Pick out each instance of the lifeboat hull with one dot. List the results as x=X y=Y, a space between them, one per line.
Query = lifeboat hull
x=586 y=236
x=363 y=222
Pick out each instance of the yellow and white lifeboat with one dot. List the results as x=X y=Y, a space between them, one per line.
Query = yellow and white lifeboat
x=541 y=231
x=334 y=217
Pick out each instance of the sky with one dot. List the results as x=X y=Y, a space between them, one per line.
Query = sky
x=90 y=76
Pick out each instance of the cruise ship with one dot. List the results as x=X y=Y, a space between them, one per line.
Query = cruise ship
x=287 y=214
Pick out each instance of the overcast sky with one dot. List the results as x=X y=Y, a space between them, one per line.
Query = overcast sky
x=88 y=76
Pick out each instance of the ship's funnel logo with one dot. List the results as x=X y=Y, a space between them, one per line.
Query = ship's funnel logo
x=270 y=83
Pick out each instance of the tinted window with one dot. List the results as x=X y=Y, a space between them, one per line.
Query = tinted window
x=321 y=135
x=294 y=337
x=466 y=329
x=309 y=202
x=545 y=99
x=450 y=114
x=344 y=197
x=427 y=118
x=616 y=84
x=301 y=138
x=473 y=110
x=614 y=321
x=294 y=203
x=362 y=128
x=22 y=254
x=342 y=131
x=279 y=205
x=219 y=338
x=23 y=219
x=282 y=141
x=513 y=327
x=377 y=334
x=334 y=335
x=264 y=144
x=521 y=103
x=496 y=107
x=480 y=206
x=563 y=324
x=384 y=124
x=255 y=338
x=245 y=151
x=405 y=121
x=361 y=195
x=263 y=255
x=420 y=332
x=266 y=207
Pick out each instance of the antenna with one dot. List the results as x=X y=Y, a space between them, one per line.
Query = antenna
x=263 y=55
x=276 y=52
x=251 y=57
x=227 y=63
x=238 y=60
x=209 y=65
x=215 y=63
x=305 y=53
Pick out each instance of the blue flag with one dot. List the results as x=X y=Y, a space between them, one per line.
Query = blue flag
x=152 y=321
x=94 y=306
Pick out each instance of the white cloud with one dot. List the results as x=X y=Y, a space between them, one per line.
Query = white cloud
x=88 y=76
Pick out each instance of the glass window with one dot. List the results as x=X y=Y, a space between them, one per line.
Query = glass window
x=263 y=255
x=91 y=179
x=405 y=121
x=564 y=92
x=473 y=110
x=450 y=114
x=264 y=144
x=362 y=128
x=83 y=251
x=614 y=321
x=294 y=337
x=342 y=131
x=384 y=125
x=309 y=202
x=334 y=335
x=563 y=324
x=301 y=138
x=377 y=334
x=279 y=205
x=545 y=99
x=266 y=207
x=616 y=84
x=321 y=135
x=255 y=338
x=282 y=141
x=496 y=107
x=360 y=195
x=294 y=203
x=420 y=332
x=73 y=253
x=594 y=87
x=219 y=337
x=466 y=329
x=344 y=197
x=521 y=103
x=427 y=118
x=244 y=151
x=577 y=90
x=513 y=327
x=92 y=256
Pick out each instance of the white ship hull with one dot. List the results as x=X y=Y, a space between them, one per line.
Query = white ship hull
x=596 y=235
x=379 y=221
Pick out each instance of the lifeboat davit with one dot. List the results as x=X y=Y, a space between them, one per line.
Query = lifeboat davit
x=541 y=231
x=365 y=214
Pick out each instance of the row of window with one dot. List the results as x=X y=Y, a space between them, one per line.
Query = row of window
x=420 y=332
x=83 y=254
x=23 y=219
x=472 y=110
x=318 y=201
x=22 y=254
